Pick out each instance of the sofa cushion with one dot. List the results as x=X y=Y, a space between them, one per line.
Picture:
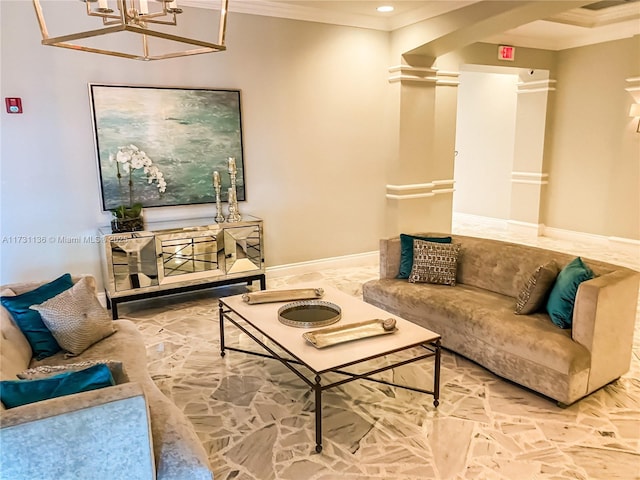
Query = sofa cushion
x=179 y=452
x=477 y=324
x=15 y=393
x=434 y=263
x=406 y=251
x=534 y=292
x=100 y=434
x=564 y=291
x=30 y=322
x=75 y=318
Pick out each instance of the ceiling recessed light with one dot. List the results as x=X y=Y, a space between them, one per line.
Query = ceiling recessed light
x=385 y=9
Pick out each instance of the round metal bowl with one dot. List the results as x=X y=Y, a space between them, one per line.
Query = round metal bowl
x=309 y=313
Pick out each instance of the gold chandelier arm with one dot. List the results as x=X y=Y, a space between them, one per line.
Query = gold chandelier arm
x=222 y=29
x=87 y=34
x=129 y=19
x=41 y=22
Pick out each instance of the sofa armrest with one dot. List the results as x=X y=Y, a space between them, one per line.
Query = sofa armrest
x=103 y=433
x=389 y=257
x=603 y=321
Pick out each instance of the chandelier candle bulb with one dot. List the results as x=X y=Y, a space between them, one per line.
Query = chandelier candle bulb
x=102 y=4
x=216 y=179
x=144 y=7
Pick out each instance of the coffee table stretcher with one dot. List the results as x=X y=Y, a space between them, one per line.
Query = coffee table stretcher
x=433 y=349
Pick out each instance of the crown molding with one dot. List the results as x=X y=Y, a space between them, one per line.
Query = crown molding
x=601 y=26
x=583 y=17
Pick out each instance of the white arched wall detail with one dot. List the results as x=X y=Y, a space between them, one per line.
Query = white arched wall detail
x=528 y=178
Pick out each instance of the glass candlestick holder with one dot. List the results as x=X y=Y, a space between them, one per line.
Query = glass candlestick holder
x=219 y=216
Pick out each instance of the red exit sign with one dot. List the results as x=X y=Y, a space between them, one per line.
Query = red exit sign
x=506 y=52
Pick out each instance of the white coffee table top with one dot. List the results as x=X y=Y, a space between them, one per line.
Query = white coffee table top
x=264 y=317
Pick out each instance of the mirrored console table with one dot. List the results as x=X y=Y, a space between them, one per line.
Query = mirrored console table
x=180 y=256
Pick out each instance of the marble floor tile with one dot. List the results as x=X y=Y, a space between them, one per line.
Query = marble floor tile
x=256 y=418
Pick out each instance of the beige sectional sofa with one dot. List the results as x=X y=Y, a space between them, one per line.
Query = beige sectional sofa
x=476 y=316
x=102 y=432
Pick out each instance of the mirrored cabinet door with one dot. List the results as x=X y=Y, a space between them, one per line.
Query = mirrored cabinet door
x=242 y=248
x=186 y=255
x=134 y=263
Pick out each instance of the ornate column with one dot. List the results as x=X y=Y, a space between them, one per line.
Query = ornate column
x=419 y=193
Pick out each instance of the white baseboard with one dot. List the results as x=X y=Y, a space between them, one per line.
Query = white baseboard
x=526 y=228
x=346 y=261
x=627 y=245
x=492 y=222
x=102 y=298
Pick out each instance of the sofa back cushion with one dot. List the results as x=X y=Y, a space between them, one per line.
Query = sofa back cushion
x=504 y=267
x=493 y=265
x=15 y=351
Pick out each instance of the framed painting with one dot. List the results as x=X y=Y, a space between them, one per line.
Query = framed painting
x=159 y=146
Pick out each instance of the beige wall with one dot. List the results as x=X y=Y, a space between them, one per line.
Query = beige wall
x=594 y=169
x=592 y=152
x=321 y=137
x=316 y=118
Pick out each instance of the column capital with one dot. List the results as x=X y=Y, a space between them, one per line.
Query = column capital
x=419 y=190
x=634 y=87
x=536 y=86
x=410 y=74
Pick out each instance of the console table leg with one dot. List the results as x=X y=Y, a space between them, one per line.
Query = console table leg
x=436 y=376
x=114 y=310
x=221 y=314
x=318 y=394
x=263 y=282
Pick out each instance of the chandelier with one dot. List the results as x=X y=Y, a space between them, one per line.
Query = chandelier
x=146 y=19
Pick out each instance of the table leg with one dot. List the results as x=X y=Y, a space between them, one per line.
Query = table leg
x=436 y=376
x=221 y=314
x=318 y=393
x=263 y=282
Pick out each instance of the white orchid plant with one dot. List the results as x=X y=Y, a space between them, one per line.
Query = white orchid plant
x=128 y=159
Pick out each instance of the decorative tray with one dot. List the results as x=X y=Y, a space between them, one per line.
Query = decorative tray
x=309 y=313
x=328 y=337
x=268 y=296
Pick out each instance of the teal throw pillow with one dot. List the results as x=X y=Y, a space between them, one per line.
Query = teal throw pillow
x=406 y=251
x=564 y=291
x=14 y=393
x=30 y=322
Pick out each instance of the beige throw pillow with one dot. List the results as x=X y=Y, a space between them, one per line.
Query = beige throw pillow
x=434 y=262
x=75 y=318
x=534 y=292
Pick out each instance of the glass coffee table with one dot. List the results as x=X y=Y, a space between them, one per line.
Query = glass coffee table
x=311 y=364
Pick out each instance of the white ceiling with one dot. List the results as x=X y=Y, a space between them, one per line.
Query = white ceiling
x=576 y=27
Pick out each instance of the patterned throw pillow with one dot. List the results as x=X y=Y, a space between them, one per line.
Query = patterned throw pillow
x=406 y=251
x=43 y=371
x=434 y=262
x=534 y=292
x=75 y=318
